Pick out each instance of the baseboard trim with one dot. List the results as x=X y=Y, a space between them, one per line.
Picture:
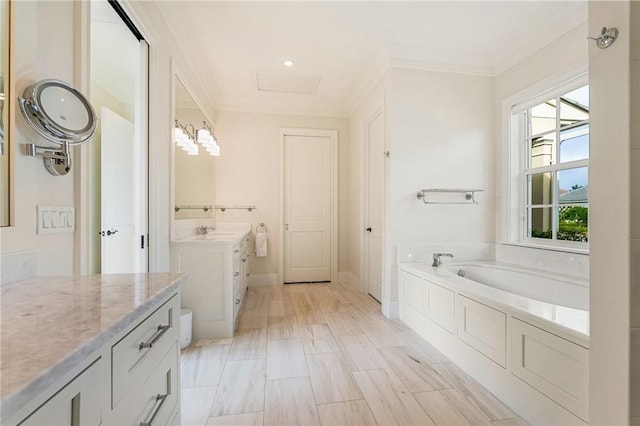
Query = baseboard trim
x=390 y=309
x=262 y=280
x=349 y=280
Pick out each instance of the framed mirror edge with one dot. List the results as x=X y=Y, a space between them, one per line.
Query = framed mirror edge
x=178 y=75
x=9 y=108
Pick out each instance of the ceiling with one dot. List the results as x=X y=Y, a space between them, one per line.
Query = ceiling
x=340 y=48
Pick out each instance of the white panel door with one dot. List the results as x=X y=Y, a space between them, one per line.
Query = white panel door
x=307 y=209
x=119 y=250
x=375 y=195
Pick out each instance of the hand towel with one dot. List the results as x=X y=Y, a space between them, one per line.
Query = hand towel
x=261 y=244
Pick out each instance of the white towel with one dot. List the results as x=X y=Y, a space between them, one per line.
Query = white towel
x=261 y=244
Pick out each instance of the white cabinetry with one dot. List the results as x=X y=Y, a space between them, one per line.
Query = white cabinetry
x=217 y=282
x=543 y=376
x=144 y=370
x=133 y=379
x=554 y=366
x=426 y=298
x=483 y=328
x=76 y=403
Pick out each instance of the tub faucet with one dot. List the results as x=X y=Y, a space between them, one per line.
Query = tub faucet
x=436 y=258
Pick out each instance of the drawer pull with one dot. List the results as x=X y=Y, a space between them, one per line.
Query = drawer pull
x=244 y=259
x=158 y=334
x=235 y=274
x=237 y=301
x=236 y=251
x=160 y=398
x=248 y=274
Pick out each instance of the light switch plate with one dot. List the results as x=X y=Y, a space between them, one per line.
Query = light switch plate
x=55 y=219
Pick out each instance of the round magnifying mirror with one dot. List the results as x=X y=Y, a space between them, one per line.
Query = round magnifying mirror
x=58 y=112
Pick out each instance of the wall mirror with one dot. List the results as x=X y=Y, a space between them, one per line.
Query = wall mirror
x=6 y=135
x=194 y=168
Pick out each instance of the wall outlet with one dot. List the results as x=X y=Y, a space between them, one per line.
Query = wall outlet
x=55 y=219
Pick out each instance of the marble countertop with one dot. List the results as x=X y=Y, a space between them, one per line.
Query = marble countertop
x=48 y=325
x=567 y=322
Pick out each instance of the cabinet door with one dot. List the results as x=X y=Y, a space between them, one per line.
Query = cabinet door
x=77 y=403
x=483 y=328
x=413 y=291
x=440 y=306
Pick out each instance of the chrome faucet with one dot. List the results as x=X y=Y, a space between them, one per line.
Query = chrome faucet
x=436 y=258
x=202 y=230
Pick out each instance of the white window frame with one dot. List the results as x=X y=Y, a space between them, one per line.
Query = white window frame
x=513 y=217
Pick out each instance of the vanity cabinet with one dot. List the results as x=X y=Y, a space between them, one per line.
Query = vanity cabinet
x=127 y=373
x=76 y=403
x=144 y=372
x=218 y=277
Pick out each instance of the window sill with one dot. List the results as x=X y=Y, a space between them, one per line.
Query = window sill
x=549 y=247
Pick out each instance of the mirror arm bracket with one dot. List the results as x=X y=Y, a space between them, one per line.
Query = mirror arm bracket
x=34 y=150
x=57 y=162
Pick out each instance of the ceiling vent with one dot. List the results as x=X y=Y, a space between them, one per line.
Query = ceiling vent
x=287 y=83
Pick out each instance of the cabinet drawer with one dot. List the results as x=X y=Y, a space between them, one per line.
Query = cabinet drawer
x=137 y=354
x=155 y=401
x=78 y=402
x=554 y=366
x=483 y=328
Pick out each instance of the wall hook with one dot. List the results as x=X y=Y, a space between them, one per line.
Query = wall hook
x=607 y=37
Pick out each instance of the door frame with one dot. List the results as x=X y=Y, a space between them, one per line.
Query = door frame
x=333 y=136
x=377 y=112
x=85 y=225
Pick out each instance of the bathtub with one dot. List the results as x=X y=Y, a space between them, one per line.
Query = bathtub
x=530 y=283
x=522 y=333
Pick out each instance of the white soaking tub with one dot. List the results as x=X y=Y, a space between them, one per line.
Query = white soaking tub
x=520 y=332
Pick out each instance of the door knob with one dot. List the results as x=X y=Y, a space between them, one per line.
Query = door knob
x=111 y=232
x=368 y=229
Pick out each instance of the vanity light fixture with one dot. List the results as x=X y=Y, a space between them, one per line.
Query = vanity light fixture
x=207 y=139
x=185 y=139
x=192 y=146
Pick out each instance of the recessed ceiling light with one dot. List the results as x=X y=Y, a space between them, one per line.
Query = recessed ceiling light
x=288 y=63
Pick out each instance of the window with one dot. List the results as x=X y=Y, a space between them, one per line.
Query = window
x=555 y=134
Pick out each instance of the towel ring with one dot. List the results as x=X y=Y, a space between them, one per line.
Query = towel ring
x=261 y=228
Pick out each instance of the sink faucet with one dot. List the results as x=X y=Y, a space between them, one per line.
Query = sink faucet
x=202 y=230
x=436 y=258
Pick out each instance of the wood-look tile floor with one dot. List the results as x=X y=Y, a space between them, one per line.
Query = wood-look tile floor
x=319 y=354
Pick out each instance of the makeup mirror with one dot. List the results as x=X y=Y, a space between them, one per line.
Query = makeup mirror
x=60 y=114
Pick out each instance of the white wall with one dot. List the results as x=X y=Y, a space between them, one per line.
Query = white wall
x=37 y=55
x=440 y=134
x=611 y=162
x=248 y=173
x=354 y=234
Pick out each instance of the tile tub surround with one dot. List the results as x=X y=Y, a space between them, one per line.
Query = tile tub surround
x=552 y=261
x=423 y=253
x=48 y=325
